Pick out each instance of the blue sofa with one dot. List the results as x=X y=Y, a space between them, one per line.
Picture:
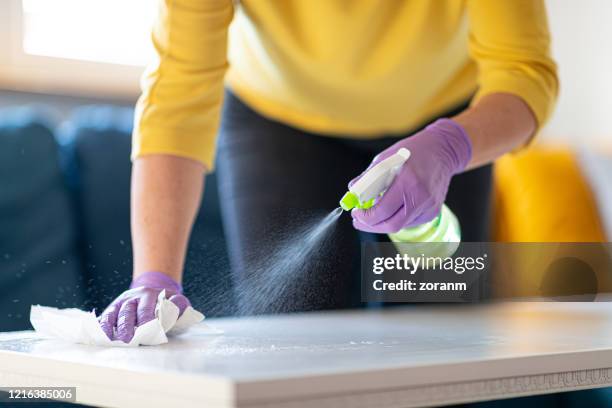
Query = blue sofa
x=64 y=217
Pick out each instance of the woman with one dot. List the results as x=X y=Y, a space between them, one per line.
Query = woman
x=316 y=89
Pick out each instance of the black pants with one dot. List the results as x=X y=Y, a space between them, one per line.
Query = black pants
x=273 y=179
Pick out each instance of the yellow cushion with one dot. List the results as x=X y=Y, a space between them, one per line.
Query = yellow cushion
x=541 y=196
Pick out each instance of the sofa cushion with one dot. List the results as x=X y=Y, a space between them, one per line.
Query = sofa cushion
x=97 y=144
x=38 y=258
x=533 y=193
x=542 y=195
x=95 y=147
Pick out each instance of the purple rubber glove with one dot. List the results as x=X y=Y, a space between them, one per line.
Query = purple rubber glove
x=136 y=306
x=438 y=152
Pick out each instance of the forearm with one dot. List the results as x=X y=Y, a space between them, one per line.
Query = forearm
x=497 y=124
x=166 y=194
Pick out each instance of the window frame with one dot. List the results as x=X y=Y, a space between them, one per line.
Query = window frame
x=34 y=73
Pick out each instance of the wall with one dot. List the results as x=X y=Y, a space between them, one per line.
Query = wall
x=582 y=46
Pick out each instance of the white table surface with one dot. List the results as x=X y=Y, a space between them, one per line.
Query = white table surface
x=409 y=356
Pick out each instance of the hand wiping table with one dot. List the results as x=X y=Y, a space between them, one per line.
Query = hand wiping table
x=78 y=326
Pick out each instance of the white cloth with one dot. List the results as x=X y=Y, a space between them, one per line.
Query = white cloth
x=78 y=326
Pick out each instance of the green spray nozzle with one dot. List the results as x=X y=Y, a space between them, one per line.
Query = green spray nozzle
x=374 y=182
x=350 y=201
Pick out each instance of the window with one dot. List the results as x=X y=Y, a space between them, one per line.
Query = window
x=88 y=47
x=111 y=31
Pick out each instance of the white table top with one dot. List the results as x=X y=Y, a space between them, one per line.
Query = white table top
x=409 y=356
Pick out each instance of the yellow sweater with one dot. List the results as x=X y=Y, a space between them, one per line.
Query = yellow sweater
x=356 y=68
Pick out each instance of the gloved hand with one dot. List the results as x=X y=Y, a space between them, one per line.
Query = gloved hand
x=438 y=152
x=136 y=306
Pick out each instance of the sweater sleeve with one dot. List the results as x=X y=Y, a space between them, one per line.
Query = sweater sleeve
x=510 y=42
x=178 y=112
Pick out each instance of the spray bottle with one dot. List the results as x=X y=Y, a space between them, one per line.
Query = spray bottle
x=443 y=230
